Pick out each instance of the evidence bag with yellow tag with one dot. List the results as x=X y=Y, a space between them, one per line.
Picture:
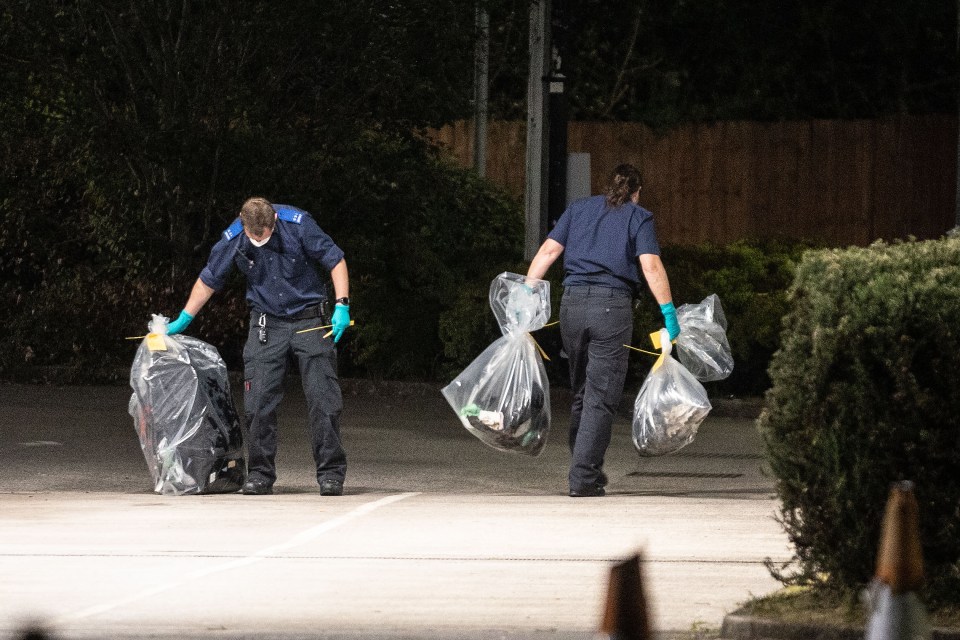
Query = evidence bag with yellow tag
x=184 y=415
x=670 y=406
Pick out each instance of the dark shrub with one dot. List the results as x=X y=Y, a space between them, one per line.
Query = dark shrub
x=866 y=391
x=751 y=280
x=417 y=232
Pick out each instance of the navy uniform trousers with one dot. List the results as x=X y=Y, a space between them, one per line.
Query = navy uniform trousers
x=595 y=323
x=265 y=367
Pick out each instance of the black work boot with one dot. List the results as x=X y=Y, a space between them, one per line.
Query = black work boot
x=331 y=488
x=257 y=487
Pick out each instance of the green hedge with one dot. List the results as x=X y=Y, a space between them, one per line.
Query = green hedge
x=866 y=391
x=423 y=243
x=414 y=228
x=750 y=278
x=87 y=254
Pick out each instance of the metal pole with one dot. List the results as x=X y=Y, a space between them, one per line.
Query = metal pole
x=537 y=120
x=557 y=178
x=481 y=80
x=956 y=224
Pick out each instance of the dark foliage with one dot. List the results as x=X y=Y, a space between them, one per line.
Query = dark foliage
x=664 y=62
x=137 y=129
x=865 y=393
x=751 y=280
x=133 y=131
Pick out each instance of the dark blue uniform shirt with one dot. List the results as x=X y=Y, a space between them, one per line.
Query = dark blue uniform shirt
x=282 y=278
x=601 y=243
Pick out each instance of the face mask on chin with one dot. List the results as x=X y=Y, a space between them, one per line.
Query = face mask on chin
x=259 y=243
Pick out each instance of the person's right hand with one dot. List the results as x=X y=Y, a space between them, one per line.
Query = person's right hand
x=181 y=323
x=523 y=301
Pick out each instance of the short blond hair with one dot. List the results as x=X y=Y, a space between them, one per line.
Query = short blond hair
x=257 y=215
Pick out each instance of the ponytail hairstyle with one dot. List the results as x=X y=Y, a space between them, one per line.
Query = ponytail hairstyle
x=624 y=182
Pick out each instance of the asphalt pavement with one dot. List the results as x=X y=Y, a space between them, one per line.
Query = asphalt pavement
x=436 y=536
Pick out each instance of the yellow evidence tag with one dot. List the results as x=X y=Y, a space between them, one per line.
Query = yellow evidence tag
x=655 y=339
x=155 y=342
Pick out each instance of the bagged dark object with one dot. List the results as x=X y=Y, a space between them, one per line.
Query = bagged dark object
x=503 y=396
x=184 y=415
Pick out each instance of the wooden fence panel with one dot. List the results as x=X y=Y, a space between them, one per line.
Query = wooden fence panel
x=755 y=195
x=728 y=213
x=861 y=209
x=934 y=179
x=886 y=191
x=781 y=145
x=830 y=181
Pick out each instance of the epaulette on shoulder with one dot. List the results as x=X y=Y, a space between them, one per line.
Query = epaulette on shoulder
x=233 y=230
x=289 y=214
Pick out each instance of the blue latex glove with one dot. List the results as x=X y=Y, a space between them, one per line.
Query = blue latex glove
x=670 y=320
x=181 y=323
x=340 y=320
x=520 y=304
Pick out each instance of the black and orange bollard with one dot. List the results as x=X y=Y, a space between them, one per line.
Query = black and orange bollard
x=896 y=612
x=625 y=613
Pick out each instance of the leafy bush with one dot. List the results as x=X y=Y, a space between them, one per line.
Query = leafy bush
x=750 y=278
x=865 y=393
x=468 y=326
x=415 y=230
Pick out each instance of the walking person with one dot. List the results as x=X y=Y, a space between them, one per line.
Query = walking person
x=276 y=248
x=603 y=238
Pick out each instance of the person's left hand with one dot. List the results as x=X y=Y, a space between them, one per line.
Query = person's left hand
x=340 y=320
x=670 y=320
x=181 y=323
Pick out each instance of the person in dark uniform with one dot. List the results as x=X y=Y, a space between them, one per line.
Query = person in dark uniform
x=604 y=237
x=276 y=248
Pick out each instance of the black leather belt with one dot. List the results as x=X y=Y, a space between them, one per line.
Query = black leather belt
x=313 y=311
x=599 y=290
x=318 y=310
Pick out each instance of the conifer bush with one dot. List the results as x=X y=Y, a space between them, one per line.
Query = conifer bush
x=866 y=391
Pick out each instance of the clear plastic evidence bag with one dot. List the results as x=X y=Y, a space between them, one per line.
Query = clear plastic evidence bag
x=503 y=396
x=184 y=415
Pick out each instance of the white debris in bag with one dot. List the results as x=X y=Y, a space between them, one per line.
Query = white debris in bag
x=158 y=324
x=473 y=417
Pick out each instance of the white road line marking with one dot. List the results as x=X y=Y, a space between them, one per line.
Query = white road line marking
x=299 y=539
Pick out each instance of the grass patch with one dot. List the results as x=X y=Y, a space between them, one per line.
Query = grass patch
x=803 y=605
x=806 y=606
